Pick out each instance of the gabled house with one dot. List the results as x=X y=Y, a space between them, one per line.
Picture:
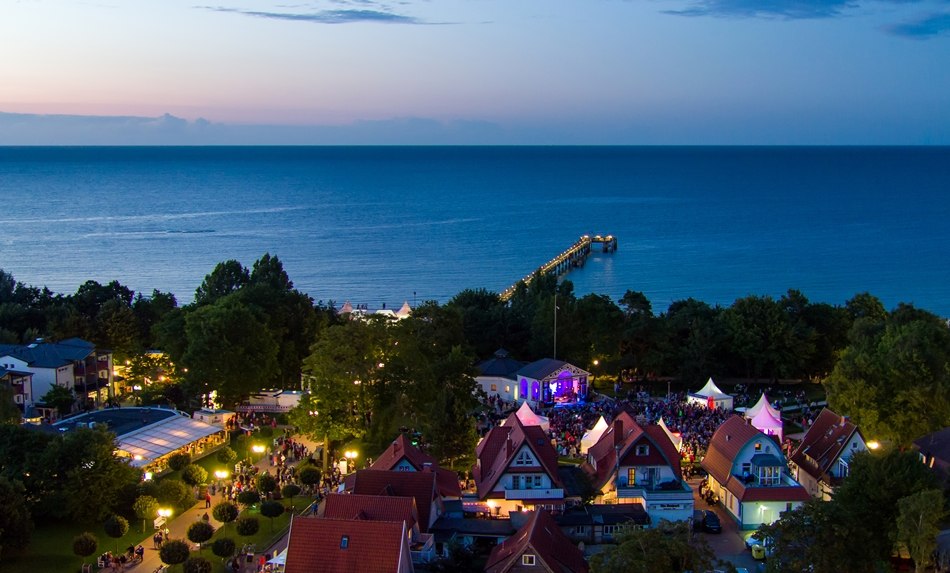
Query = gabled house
x=823 y=457
x=638 y=464
x=74 y=364
x=538 y=546
x=317 y=545
x=402 y=456
x=516 y=469
x=748 y=471
x=20 y=385
x=497 y=376
x=383 y=508
x=421 y=486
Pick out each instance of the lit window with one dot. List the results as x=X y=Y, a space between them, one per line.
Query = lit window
x=527 y=559
x=758 y=446
x=344 y=542
x=494 y=387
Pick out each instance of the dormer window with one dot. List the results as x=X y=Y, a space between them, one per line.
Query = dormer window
x=643 y=450
x=527 y=559
x=344 y=542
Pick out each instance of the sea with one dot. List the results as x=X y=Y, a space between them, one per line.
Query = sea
x=383 y=225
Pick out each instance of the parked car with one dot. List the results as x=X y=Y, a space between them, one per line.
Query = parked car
x=711 y=523
x=698 y=516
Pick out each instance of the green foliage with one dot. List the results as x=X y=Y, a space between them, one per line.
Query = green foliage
x=223 y=547
x=60 y=398
x=94 y=476
x=226 y=456
x=266 y=483
x=197 y=565
x=179 y=461
x=309 y=475
x=272 y=509
x=918 y=523
x=292 y=490
x=248 y=497
x=226 y=278
x=175 y=493
x=116 y=526
x=247 y=526
x=174 y=551
x=893 y=379
x=194 y=475
x=460 y=559
x=85 y=544
x=16 y=523
x=9 y=413
x=666 y=548
x=145 y=508
x=225 y=512
x=200 y=531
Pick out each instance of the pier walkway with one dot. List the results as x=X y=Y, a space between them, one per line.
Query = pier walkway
x=574 y=256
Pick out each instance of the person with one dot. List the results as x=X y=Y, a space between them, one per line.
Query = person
x=207 y=500
x=206 y=518
x=140 y=553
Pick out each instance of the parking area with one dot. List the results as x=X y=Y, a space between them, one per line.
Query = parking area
x=730 y=544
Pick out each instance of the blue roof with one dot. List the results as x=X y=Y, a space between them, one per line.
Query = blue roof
x=48 y=354
x=540 y=369
x=500 y=365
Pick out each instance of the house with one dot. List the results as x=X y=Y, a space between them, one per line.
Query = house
x=639 y=464
x=318 y=545
x=21 y=386
x=383 y=508
x=596 y=524
x=421 y=486
x=402 y=456
x=497 y=376
x=538 y=546
x=74 y=364
x=934 y=451
x=747 y=470
x=516 y=469
x=545 y=381
x=823 y=457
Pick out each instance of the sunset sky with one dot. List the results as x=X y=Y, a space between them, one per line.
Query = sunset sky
x=477 y=71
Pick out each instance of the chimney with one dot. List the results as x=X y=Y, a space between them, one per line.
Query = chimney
x=618 y=431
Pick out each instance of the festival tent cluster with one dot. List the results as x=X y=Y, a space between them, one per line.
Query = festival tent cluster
x=711 y=396
x=766 y=418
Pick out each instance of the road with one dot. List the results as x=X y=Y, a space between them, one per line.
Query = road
x=730 y=544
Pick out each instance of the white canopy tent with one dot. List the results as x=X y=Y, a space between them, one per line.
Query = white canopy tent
x=766 y=423
x=675 y=438
x=529 y=418
x=711 y=396
x=763 y=404
x=593 y=435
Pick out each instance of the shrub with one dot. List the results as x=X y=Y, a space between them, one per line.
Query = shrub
x=272 y=509
x=226 y=456
x=145 y=507
x=248 y=526
x=197 y=565
x=248 y=497
x=199 y=532
x=290 y=490
x=309 y=475
x=266 y=483
x=175 y=493
x=178 y=461
x=194 y=475
x=223 y=547
x=116 y=526
x=174 y=552
x=85 y=544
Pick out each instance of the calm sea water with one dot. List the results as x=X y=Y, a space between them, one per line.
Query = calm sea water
x=388 y=224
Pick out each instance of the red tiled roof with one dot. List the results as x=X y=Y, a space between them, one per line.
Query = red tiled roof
x=402 y=448
x=624 y=433
x=766 y=493
x=315 y=546
x=726 y=442
x=823 y=443
x=418 y=485
x=371 y=507
x=541 y=537
x=498 y=449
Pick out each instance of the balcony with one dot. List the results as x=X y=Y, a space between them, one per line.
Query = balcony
x=422 y=548
x=517 y=494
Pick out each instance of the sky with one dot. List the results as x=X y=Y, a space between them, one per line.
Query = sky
x=549 y=72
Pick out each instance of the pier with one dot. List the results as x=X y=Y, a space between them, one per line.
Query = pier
x=574 y=256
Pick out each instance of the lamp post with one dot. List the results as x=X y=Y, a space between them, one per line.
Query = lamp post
x=221 y=475
x=258 y=449
x=163 y=514
x=350 y=456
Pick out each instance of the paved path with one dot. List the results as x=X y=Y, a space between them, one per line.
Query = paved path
x=730 y=544
x=178 y=527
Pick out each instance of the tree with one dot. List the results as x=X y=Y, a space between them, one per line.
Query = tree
x=61 y=398
x=272 y=509
x=309 y=475
x=226 y=456
x=918 y=523
x=248 y=526
x=116 y=526
x=226 y=278
x=197 y=565
x=225 y=512
x=223 y=547
x=266 y=483
x=85 y=545
x=175 y=493
x=178 y=462
x=248 y=497
x=9 y=413
x=666 y=548
x=145 y=508
x=174 y=551
x=16 y=523
x=291 y=491
x=194 y=475
x=199 y=532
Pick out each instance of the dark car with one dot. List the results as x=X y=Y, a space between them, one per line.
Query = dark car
x=711 y=522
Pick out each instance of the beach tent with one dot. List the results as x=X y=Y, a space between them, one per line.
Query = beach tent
x=529 y=418
x=766 y=423
x=711 y=396
x=674 y=437
x=347 y=308
x=404 y=311
x=763 y=404
x=593 y=435
x=279 y=560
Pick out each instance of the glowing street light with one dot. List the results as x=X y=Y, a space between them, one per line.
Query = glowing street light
x=258 y=449
x=165 y=512
x=874 y=444
x=221 y=474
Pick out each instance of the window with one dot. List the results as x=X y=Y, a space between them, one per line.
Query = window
x=746 y=468
x=631 y=477
x=580 y=530
x=527 y=559
x=524 y=459
x=537 y=481
x=344 y=542
x=758 y=446
x=494 y=387
x=844 y=470
x=508 y=389
x=770 y=475
x=643 y=450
